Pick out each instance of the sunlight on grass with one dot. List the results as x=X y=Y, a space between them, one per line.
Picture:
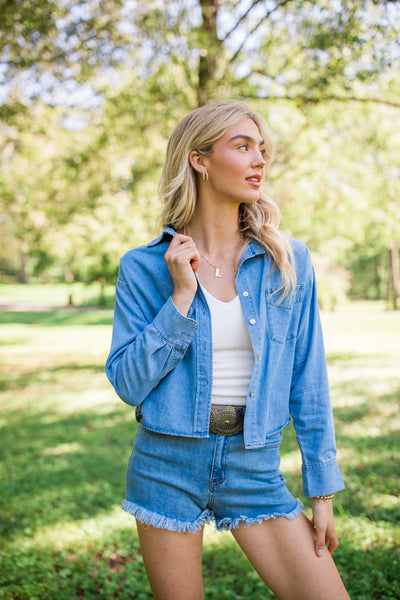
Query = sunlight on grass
x=363 y=328
x=103 y=400
x=86 y=531
x=364 y=534
x=61 y=449
x=78 y=532
x=66 y=438
x=51 y=294
x=291 y=462
x=362 y=429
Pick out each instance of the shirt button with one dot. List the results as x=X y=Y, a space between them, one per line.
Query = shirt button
x=259 y=357
x=252 y=321
x=252 y=394
x=245 y=294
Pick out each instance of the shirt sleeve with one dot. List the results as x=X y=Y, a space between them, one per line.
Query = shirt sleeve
x=143 y=351
x=310 y=404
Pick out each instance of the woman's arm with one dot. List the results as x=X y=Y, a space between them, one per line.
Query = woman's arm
x=145 y=348
x=311 y=411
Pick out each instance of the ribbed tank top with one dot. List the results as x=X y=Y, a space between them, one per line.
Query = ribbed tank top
x=233 y=357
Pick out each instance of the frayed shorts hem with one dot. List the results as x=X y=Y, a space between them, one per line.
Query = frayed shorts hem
x=228 y=523
x=148 y=517
x=152 y=519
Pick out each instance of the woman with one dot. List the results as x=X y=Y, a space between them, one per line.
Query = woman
x=217 y=342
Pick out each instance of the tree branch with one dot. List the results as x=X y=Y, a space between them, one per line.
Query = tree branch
x=336 y=98
x=244 y=15
x=329 y=98
x=254 y=29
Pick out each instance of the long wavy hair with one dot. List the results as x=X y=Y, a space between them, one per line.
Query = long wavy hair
x=178 y=184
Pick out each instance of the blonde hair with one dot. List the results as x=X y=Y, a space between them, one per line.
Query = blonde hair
x=178 y=184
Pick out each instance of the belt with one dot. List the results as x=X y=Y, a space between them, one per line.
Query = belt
x=226 y=420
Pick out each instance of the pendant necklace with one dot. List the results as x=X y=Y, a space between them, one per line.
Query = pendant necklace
x=216 y=267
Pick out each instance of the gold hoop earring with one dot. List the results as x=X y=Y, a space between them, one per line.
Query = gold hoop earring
x=205 y=175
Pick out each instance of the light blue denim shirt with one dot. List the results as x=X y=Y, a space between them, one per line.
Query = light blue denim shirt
x=161 y=361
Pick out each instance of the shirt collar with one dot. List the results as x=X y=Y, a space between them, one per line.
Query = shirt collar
x=168 y=232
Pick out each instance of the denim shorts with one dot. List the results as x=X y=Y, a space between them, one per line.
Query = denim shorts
x=181 y=483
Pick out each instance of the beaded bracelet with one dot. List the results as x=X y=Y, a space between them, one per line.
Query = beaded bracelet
x=326 y=497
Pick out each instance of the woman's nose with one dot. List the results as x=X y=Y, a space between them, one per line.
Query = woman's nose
x=259 y=159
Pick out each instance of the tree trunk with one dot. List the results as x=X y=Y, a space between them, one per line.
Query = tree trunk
x=394 y=261
x=22 y=276
x=210 y=49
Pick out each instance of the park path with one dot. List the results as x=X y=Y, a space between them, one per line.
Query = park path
x=30 y=307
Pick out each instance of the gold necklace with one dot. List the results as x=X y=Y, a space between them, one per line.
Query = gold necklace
x=215 y=267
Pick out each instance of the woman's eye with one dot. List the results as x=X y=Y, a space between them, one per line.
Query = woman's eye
x=243 y=147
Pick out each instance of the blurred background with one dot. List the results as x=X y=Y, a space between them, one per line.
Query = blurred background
x=89 y=93
x=91 y=90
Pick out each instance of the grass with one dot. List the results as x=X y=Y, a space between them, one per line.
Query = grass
x=56 y=294
x=65 y=440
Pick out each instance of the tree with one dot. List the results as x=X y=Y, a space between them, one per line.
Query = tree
x=305 y=51
x=324 y=74
x=299 y=49
x=44 y=40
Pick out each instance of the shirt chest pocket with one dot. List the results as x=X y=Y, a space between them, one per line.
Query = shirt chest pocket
x=283 y=317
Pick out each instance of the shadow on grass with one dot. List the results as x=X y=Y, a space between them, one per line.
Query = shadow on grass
x=372 y=478
x=113 y=568
x=365 y=433
x=369 y=574
x=373 y=405
x=11 y=379
x=65 y=467
x=62 y=467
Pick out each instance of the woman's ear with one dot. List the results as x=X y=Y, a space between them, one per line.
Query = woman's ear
x=197 y=161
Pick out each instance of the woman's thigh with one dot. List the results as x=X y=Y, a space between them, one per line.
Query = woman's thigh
x=282 y=552
x=173 y=562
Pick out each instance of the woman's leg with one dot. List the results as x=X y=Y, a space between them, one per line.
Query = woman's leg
x=173 y=562
x=282 y=552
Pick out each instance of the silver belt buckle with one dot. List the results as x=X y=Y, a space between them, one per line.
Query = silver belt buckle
x=225 y=420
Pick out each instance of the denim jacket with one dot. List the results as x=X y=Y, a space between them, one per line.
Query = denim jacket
x=161 y=361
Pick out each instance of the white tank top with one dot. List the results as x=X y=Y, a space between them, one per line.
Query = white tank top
x=233 y=357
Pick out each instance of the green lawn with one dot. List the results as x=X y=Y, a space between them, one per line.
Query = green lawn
x=57 y=294
x=65 y=440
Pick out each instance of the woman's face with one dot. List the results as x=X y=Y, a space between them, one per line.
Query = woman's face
x=236 y=166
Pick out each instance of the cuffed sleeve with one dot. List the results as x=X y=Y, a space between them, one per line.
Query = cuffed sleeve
x=321 y=478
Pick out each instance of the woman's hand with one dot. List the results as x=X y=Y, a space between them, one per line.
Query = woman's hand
x=183 y=260
x=324 y=525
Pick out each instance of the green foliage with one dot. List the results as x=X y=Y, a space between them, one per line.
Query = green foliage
x=92 y=91
x=66 y=439
x=65 y=39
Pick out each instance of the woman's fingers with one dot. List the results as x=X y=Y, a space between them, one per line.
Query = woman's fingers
x=183 y=259
x=323 y=521
x=182 y=250
x=182 y=254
